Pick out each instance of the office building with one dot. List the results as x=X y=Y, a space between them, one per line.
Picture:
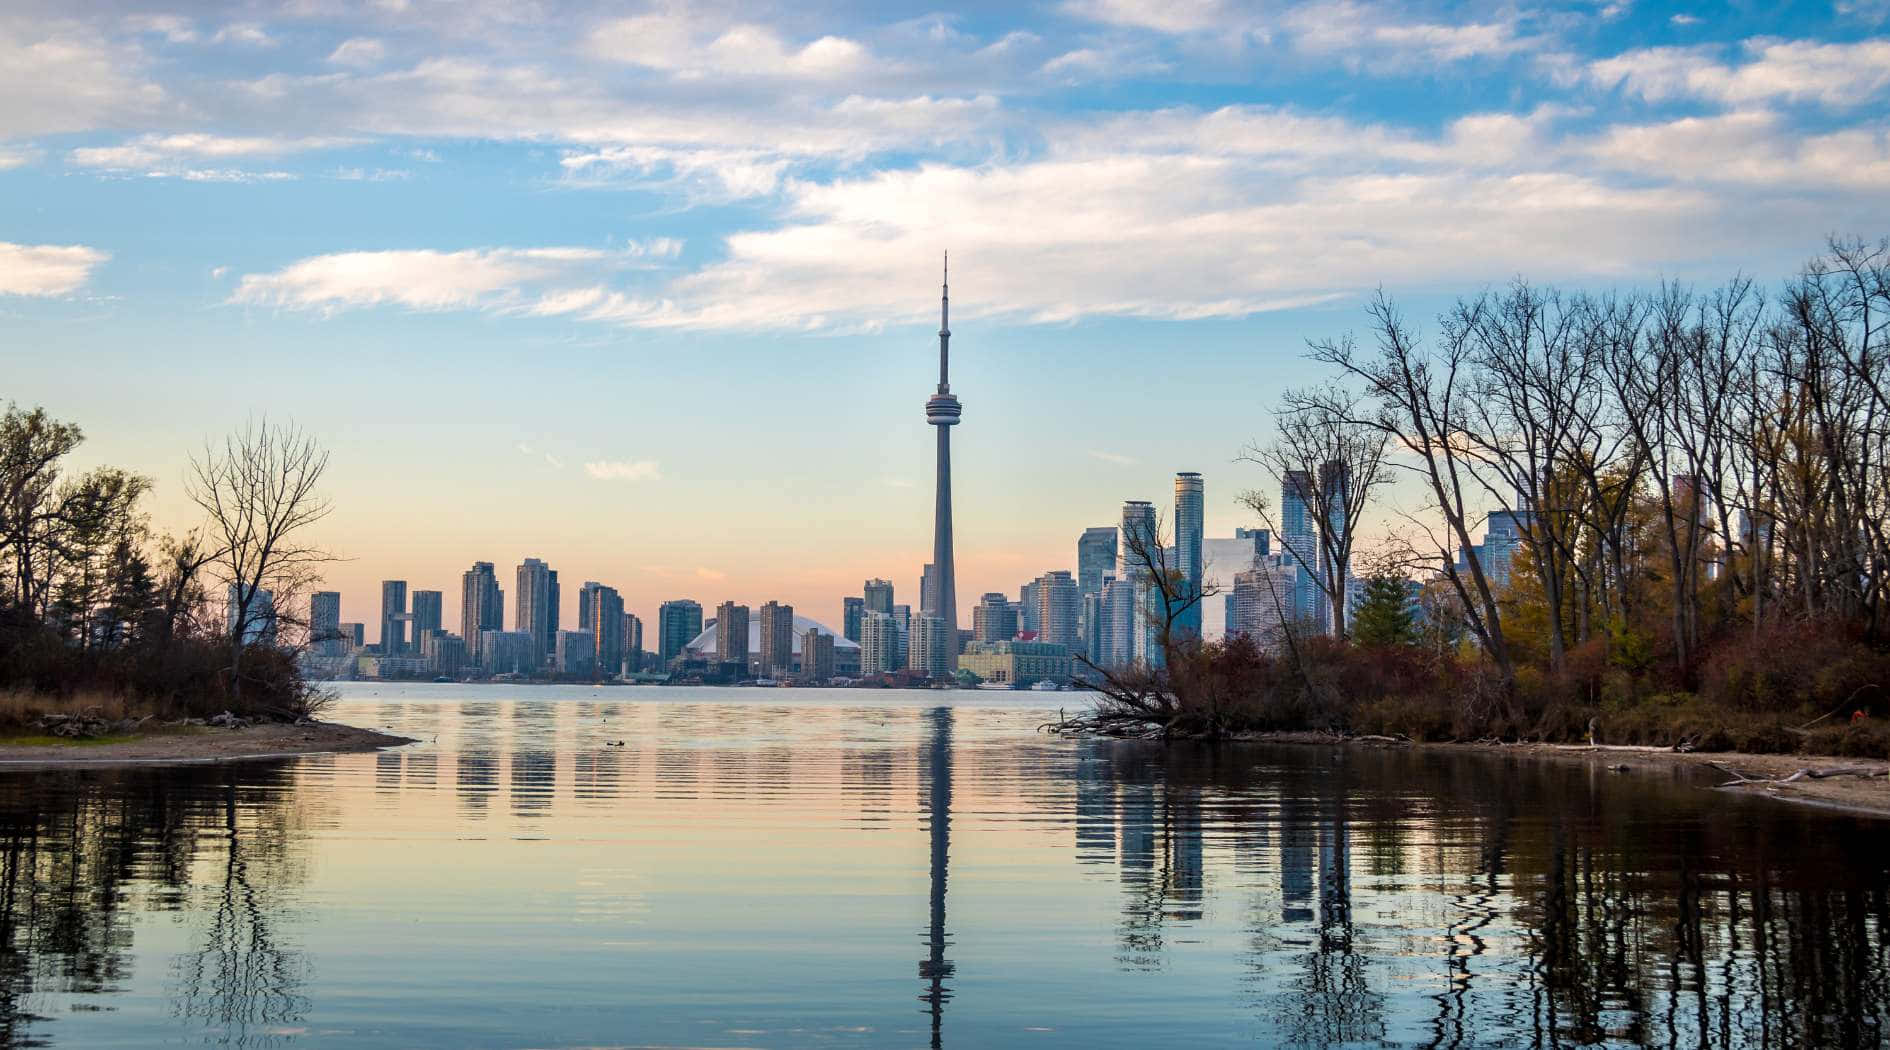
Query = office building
x=776 y=651
x=602 y=614
x=535 y=606
x=932 y=651
x=324 y=623
x=509 y=652
x=878 y=596
x=1059 y=606
x=255 y=625
x=444 y=654
x=1299 y=542
x=994 y=619
x=942 y=411
x=1018 y=664
x=816 y=655
x=1139 y=532
x=576 y=653
x=676 y=623
x=1095 y=557
x=928 y=589
x=851 y=610
x=882 y=641
x=481 y=606
x=1222 y=558
x=353 y=637
x=1190 y=511
x=393 y=617
x=424 y=614
x=632 y=643
x=731 y=635
x=1335 y=482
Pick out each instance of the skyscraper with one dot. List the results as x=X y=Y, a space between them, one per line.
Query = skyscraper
x=731 y=634
x=425 y=616
x=1095 y=557
x=881 y=640
x=632 y=642
x=879 y=595
x=1335 y=481
x=930 y=651
x=676 y=623
x=1138 y=530
x=255 y=625
x=393 y=617
x=1299 y=542
x=1190 y=510
x=535 y=606
x=942 y=411
x=1059 y=602
x=324 y=622
x=994 y=619
x=777 y=640
x=928 y=589
x=481 y=606
x=851 y=611
x=816 y=655
x=602 y=615
x=1221 y=559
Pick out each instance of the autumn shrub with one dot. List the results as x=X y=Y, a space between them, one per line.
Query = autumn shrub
x=1821 y=665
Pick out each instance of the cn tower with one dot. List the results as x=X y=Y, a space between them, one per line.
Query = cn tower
x=942 y=410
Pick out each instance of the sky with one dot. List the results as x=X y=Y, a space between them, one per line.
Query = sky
x=651 y=292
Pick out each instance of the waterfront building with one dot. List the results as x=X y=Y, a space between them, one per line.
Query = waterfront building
x=576 y=653
x=1262 y=601
x=1059 y=605
x=1335 y=482
x=393 y=617
x=535 y=609
x=1502 y=537
x=1093 y=626
x=632 y=643
x=676 y=623
x=994 y=619
x=776 y=648
x=928 y=589
x=257 y=624
x=1018 y=664
x=1120 y=623
x=932 y=649
x=324 y=623
x=882 y=641
x=1222 y=558
x=731 y=637
x=878 y=596
x=602 y=614
x=851 y=610
x=1095 y=557
x=1299 y=542
x=443 y=654
x=353 y=637
x=816 y=655
x=1027 y=609
x=424 y=615
x=942 y=411
x=509 y=652
x=1190 y=511
x=481 y=606
x=1138 y=530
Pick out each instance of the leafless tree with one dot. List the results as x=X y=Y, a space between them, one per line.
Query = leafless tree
x=259 y=490
x=1333 y=458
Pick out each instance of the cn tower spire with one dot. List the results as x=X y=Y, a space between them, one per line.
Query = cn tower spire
x=942 y=411
x=945 y=329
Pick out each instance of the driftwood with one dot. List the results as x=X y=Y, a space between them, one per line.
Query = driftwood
x=1807 y=773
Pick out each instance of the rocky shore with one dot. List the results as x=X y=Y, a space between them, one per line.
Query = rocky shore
x=154 y=744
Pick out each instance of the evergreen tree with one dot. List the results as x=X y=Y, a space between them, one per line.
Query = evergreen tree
x=1384 y=613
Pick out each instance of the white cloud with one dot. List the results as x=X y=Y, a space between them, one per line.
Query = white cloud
x=359 y=52
x=544 y=281
x=46 y=269
x=1372 y=36
x=17 y=157
x=244 y=34
x=710 y=574
x=1113 y=457
x=1835 y=75
x=182 y=154
x=624 y=470
x=692 y=47
x=63 y=76
x=1163 y=16
x=175 y=29
x=553 y=462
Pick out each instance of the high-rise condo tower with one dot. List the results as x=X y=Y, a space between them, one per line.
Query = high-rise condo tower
x=942 y=411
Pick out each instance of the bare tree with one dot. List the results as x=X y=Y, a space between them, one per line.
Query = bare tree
x=259 y=491
x=1332 y=459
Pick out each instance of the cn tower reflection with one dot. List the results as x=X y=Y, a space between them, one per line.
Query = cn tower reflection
x=934 y=969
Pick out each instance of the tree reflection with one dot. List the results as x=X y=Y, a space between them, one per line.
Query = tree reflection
x=84 y=852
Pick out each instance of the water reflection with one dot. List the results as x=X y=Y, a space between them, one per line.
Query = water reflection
x=750 y=874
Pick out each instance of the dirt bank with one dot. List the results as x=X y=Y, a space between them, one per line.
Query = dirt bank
x=187 y=744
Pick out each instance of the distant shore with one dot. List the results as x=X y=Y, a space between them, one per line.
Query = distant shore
x=192 y=745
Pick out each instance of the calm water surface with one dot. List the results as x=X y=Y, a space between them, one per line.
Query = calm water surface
x=576 y=867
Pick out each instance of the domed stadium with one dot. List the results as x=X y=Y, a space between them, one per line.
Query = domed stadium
x=702 y=646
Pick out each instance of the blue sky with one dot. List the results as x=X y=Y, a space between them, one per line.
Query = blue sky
x=649 y=291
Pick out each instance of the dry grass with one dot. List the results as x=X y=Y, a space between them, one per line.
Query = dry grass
x=22 y=708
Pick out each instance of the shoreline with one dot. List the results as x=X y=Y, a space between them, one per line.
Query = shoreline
x=197 y=746
x=1740 y=773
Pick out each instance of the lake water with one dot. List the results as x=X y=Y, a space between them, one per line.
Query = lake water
x=573 y=867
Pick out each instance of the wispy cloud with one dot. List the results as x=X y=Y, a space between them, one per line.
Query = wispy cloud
x=1113 y=457
x=624 y=470
x=47 y=269
x=710 y=574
